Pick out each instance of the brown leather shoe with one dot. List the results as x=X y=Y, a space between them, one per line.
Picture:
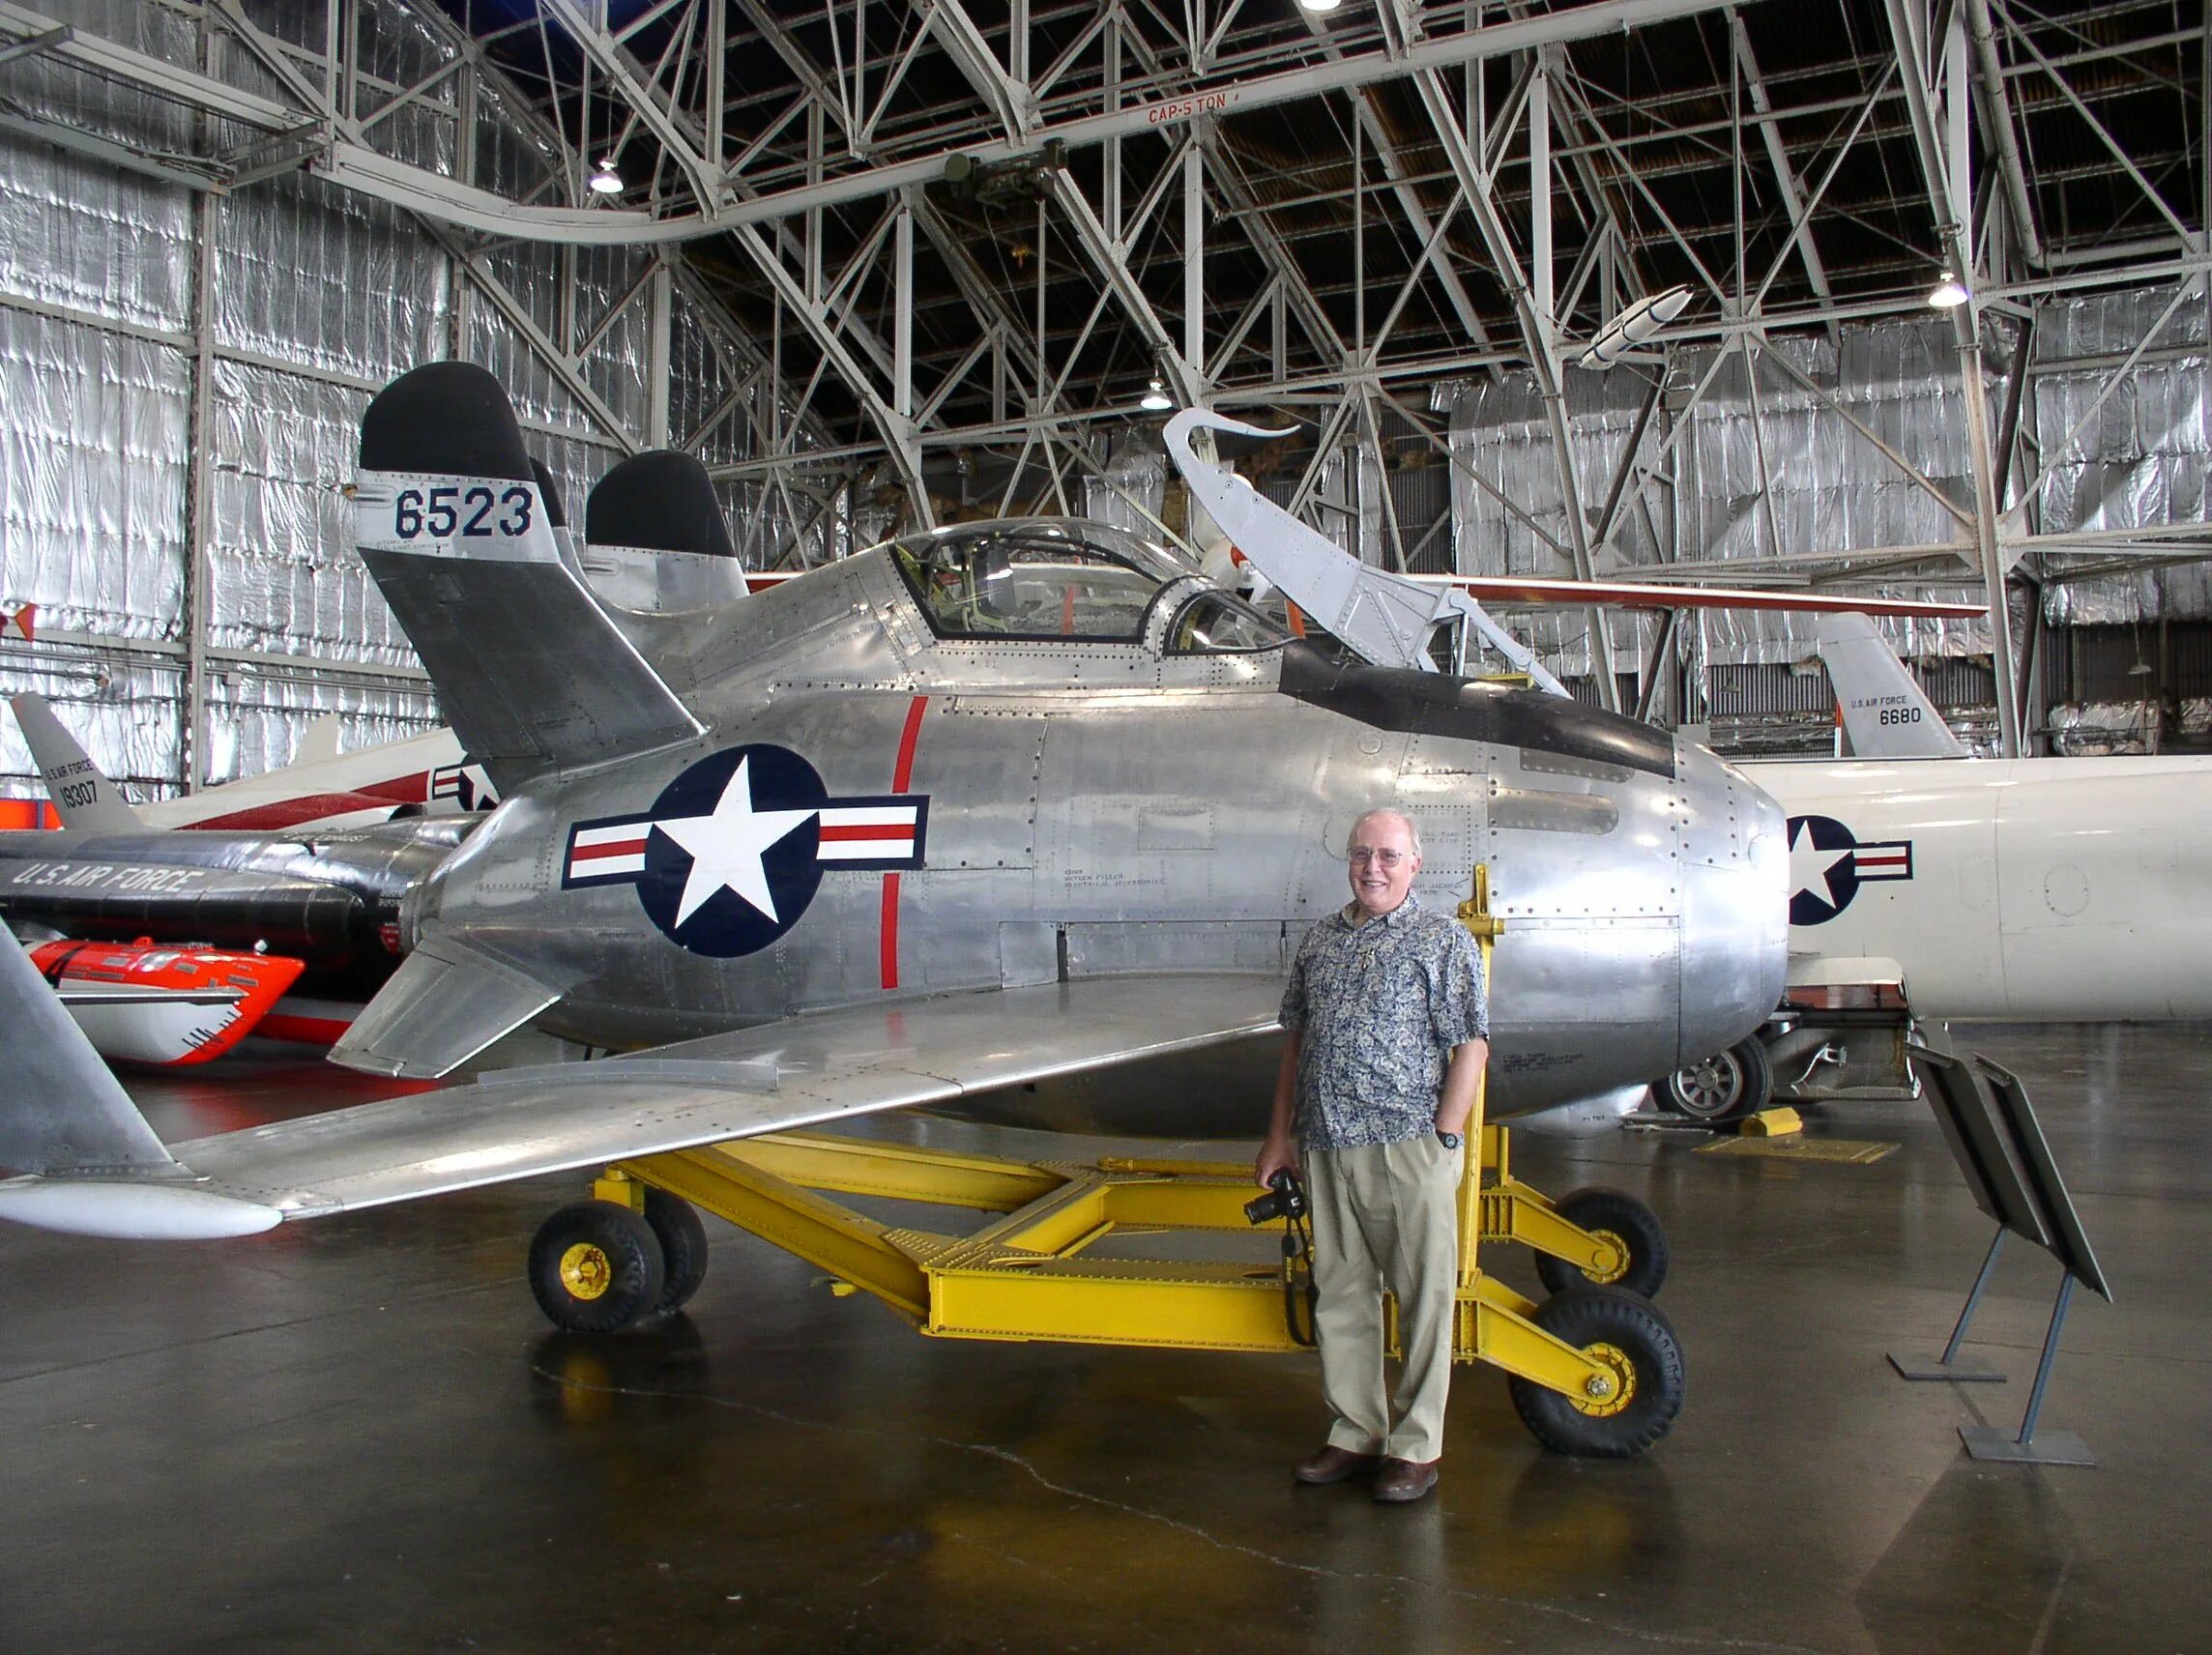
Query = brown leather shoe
x=1334 y=1465
x=1401 y=1482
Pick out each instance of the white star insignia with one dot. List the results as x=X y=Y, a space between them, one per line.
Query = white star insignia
x=1810 y=866
x=727 y=847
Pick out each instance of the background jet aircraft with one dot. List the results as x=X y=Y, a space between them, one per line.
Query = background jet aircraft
x=2039 y=888
x=986 y=806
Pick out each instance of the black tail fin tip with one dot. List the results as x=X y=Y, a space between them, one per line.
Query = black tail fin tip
x=549 y=492
x=660 y=501
x=446 y=419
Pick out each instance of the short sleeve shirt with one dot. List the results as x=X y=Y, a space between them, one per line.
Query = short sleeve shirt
x=1378 y=1008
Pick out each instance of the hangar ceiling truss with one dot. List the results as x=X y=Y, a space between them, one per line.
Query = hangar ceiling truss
x=946 y=246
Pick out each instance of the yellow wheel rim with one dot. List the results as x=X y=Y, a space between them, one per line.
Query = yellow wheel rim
x=1606 y=1278
x=1619 y=1389
x=586 y=1270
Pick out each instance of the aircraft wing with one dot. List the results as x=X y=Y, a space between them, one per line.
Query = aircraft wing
x=517 y=1124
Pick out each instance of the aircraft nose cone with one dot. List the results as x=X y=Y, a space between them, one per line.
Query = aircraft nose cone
x=1736 y=904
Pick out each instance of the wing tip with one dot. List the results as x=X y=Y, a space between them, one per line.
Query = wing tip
x=132 y=1209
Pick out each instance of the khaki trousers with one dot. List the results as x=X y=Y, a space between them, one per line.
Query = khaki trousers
x=1385 y=1215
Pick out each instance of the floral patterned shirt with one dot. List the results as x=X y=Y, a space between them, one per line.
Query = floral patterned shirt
x=1378 y=1008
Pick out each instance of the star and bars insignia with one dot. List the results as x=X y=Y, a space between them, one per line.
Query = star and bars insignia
x=732 y=851
x=1829 y=863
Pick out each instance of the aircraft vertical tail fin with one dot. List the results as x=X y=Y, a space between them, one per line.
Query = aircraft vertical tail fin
x=454 y=528
x=83 y=794
x=654 y=538
x=319 y=740
x=1885 y=714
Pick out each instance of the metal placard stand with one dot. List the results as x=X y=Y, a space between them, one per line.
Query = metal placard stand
x=2000 y=1148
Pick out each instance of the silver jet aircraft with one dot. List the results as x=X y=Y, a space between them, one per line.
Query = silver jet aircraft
x=981 y=810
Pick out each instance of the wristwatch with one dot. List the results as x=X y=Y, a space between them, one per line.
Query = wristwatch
x=1450 y=1140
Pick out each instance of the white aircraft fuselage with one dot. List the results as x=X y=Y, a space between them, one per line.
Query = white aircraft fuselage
x=2070 y=889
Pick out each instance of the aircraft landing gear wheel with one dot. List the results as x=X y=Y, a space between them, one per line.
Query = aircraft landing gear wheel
x=682 y=1237
x=1622 y=1217
x=1726 y=1086
x=595 y=1266
x=1643 y=1390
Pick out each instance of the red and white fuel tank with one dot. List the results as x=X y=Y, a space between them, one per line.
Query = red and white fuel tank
x=149 y=1003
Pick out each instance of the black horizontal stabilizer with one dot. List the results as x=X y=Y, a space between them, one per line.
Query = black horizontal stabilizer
x=660 y=501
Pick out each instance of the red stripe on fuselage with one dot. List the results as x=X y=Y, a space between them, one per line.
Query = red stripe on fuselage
x=887 y=948
x=902 y=775
x=609 y=848
x=904 y=833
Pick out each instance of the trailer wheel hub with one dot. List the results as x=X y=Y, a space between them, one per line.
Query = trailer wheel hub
x=1606 y=1393
x=1606 y=1275
x=586 y=1270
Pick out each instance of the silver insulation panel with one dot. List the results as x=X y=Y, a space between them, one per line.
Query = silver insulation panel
x=1827 y=488
x=318 y=297
x=2142 y=459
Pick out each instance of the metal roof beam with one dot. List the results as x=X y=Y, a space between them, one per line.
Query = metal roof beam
x=1012 y=105
x=896 y=428
x=1943 y=163
x=670 y=130
x=432 y=192
x=1538 y=339
x=1785 y=176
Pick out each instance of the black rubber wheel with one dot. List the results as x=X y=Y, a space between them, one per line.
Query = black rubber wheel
x=1725 y=1086
x=683 y=1238
x=1633 y=1340
x=1628 y=1221
x=595 y=1266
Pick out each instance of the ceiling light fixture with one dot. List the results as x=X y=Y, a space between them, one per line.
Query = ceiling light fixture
x=606 y=181
x=1156 y=399
x=1949 y=294
x=1319 y=5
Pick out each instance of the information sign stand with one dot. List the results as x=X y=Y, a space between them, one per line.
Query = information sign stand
x=2000 y=1148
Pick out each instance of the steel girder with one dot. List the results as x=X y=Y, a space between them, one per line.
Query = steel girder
x=806 y=170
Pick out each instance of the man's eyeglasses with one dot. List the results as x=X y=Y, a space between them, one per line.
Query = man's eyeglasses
x=1385 y=858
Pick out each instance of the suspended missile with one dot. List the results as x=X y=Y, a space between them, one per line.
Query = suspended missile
x=1634 y=325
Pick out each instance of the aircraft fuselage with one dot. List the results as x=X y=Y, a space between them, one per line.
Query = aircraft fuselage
x=880 y=809
x=2065 y=888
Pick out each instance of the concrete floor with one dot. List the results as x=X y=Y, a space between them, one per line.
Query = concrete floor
x=358 y=1435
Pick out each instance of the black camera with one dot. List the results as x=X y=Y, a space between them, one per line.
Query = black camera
x=1285 y=1199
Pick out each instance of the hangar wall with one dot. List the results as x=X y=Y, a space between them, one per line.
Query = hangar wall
x=178 y=366
x=1748 y=470
x=184 y=369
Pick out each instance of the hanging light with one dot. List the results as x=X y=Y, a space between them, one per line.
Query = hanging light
x=606 y=181
x=1156 y=399
x=1319 y=5
x=1948 y=294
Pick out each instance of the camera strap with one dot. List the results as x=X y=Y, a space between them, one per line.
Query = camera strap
x=1298 y=1294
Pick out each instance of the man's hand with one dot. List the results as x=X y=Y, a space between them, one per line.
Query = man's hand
x=1276 y=1156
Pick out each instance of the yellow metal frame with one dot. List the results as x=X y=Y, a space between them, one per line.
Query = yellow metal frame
x=1030 y=1272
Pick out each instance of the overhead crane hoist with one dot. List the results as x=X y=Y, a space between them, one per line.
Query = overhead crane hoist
x=1594 y=1369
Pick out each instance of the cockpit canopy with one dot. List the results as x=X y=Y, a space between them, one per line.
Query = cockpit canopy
x=1068 y=581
